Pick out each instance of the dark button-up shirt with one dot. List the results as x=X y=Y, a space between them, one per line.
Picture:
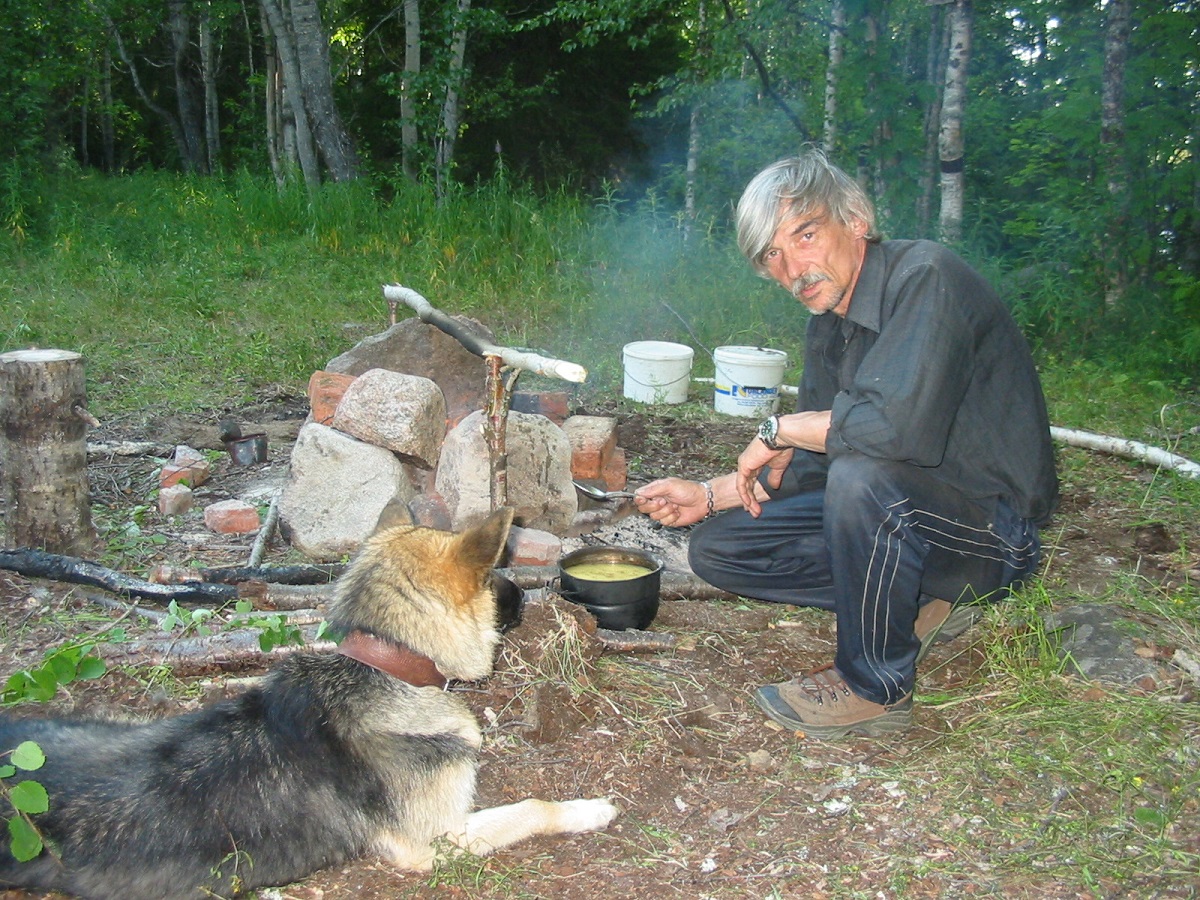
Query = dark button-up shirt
x=929 y=367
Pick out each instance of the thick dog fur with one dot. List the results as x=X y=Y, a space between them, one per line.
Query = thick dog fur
x=329 y=759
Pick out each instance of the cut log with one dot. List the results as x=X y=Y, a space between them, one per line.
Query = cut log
x=1118 y=446
x=43 y=420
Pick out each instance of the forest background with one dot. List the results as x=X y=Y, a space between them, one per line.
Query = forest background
x=565 y=169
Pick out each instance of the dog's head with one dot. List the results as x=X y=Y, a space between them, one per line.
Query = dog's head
x=432 y=590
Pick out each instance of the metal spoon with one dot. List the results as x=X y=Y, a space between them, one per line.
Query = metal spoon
x=598 y=493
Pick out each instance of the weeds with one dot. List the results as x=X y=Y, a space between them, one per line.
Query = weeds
x=1063 y=762
x=26 y=798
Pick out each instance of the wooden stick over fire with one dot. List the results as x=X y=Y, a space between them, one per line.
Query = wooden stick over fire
x=499 y=389
x=516 y=359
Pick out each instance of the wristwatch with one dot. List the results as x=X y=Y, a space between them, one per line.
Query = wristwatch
x=768 y=430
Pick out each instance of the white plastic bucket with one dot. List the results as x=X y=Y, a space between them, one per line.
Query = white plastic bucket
x=747 y=380
x=657 y=371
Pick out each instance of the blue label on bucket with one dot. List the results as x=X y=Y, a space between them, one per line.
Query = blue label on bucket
x=745 y=390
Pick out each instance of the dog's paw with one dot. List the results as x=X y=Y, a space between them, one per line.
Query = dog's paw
x=586 y=815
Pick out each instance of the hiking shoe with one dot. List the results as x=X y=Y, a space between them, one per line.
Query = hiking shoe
x=939 y=621
x=822 y=705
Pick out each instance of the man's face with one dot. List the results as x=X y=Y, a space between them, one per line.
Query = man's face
x=817 y=260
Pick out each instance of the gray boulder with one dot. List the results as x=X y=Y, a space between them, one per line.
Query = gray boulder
x=539 y=473
x=335 y=490
x=402 y=413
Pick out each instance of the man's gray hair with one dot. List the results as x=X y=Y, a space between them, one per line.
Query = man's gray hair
x=808 y=183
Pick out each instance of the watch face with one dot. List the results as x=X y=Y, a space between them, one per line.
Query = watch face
x=767 y=431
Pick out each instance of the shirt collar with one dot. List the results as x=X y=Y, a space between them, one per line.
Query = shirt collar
x=866 y=303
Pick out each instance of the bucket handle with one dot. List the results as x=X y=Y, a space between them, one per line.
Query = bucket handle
x=665 y=384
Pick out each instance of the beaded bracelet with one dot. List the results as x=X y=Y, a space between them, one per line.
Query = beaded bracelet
x=708 y=494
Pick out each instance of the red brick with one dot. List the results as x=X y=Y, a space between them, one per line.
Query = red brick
x=531 y=547
x=616 y=470
x=593 y=439
x=194 y=474
x=174 y=499
x=325 y=390
x=551 y=404
x=231 y=517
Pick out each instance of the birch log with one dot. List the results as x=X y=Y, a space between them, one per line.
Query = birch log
x=1126 y=448
x=517 y=359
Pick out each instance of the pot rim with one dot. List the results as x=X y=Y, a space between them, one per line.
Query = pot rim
x=610 y=553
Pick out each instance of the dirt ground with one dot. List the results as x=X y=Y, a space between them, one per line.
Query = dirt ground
x=715 y=801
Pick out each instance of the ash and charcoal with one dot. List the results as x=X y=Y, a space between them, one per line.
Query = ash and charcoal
x=626 y=528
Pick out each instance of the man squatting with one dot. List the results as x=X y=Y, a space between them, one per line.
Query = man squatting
x=909 y=484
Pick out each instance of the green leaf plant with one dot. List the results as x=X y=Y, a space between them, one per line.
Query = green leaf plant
x=59 y=666
x=27 y=798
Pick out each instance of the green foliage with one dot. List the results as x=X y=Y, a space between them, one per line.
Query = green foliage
x=274 y=629
x=59 y=666
x=1184 y=319
x=26 y=798
x=192 y=621
x=122 y=530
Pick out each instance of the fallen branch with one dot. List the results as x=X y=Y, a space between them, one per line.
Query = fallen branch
x=517 y=359
x=190 y=656
x=71 y=569
x=1188 y=664
x=1126 y=448
x=632 y=640
x=295 y=575
x=264 y=533
x=127 y=448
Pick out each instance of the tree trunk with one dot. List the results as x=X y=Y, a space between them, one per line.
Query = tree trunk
x=935 y=66
x=873 y=179
x=171 y=121
x=312 y=53
x=208 y=75
x=44 y=451
x=837 y=28
x=950 y=141
x=293 y=93
x=693 y=165
x=107 y=131
x=180 y=26
x=454 y=80
x=1112 y=141
x=694 y=137
x=408 y=106
x=273 y=105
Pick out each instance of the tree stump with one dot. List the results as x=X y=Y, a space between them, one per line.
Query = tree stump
x=43 y=449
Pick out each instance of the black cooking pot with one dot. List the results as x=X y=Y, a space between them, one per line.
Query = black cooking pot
x=620 y=604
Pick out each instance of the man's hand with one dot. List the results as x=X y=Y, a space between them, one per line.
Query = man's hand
x=756 y=457
x=673 y=501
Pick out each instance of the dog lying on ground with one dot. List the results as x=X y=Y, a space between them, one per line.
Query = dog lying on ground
x=334 y=756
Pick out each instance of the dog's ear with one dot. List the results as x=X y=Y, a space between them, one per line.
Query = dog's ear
x=482 y=545
x=395 y=513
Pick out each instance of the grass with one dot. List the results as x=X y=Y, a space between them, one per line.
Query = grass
x=190 y=294
x=1051 y=779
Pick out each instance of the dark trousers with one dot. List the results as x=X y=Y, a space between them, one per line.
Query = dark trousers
x=876 y=541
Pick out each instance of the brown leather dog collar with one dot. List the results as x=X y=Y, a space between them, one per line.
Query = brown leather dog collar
x=398 y=660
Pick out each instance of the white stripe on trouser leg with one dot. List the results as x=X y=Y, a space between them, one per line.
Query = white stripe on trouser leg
x=891 y=560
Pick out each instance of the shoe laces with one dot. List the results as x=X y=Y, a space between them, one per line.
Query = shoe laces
x=825 y=684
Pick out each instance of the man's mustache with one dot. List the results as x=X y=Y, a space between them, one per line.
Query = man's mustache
x=807 y=281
